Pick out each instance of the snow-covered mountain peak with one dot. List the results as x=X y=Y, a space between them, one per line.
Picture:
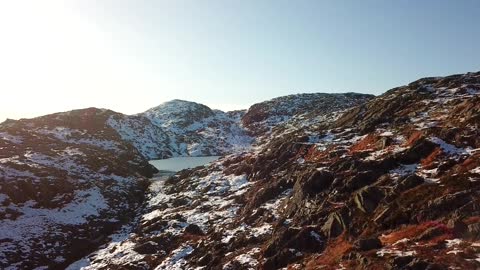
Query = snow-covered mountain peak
x=178 y=112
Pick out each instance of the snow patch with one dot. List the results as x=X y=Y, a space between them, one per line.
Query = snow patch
x=448 y=148
x=11 y=138
x=176 y=260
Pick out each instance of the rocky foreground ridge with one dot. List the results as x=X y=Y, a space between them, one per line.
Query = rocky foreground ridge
x=390 y=184
x=68 y=181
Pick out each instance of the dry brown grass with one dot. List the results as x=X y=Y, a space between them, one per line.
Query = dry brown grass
x=428 y=162
x=472 y=220
x=367 y=143
x=332 y=254
x=414 y=137
x=313 y=154
x=413 y=231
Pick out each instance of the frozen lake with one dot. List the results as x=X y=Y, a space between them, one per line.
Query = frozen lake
x=180 y=163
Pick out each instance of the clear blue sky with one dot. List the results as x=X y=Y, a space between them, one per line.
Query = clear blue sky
x=131 y=55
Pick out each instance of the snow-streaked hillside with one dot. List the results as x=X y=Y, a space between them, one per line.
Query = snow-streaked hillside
x=150 y=140
x=197 y=130
x=184 y=128
x=66 y=181
x=283 y=114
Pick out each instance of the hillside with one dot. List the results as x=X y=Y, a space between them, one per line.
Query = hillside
x=184 y=128
x=197 y=130
x=280 y=115
x=389 y=184
x=67 y=181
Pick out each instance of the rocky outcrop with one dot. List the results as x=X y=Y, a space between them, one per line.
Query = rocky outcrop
x=336 y=223
x=368 y=244
x=367 y=199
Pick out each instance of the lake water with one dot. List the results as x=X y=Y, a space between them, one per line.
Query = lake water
x=180 y=163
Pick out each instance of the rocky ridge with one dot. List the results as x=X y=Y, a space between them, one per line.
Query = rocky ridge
x=183 y=128
x=285 y=114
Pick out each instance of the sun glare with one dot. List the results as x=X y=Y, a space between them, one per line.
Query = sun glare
x=45 y=49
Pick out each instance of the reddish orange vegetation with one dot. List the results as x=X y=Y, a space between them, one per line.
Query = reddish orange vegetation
x=367 y=143
x=412 y=231
x=414 y=137
x=428 y=162
x=303 y=151
x=439 y=239
x=378 y=266
x=313 y=154
x=332 y=254
x=308 y=153
x=187 y=237
x=472 y=220
x=469 y=164
x=420 y=194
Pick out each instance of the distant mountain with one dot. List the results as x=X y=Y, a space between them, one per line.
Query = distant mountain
x=198 y=130
x=287 y=113
x=178 y=114
x=183 y=128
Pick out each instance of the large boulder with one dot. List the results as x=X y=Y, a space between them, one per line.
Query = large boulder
x=368 y=244
x=361 y=179
x=368 y=198
x=409 y=182
x=314 y=183
x=420 y=149
x=336 y=223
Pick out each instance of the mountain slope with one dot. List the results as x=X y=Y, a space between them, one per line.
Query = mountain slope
x=274 y=116
x=197 y=130
x=184 y=128
x=61 y=192
x=390 y=184
x=150 y=140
